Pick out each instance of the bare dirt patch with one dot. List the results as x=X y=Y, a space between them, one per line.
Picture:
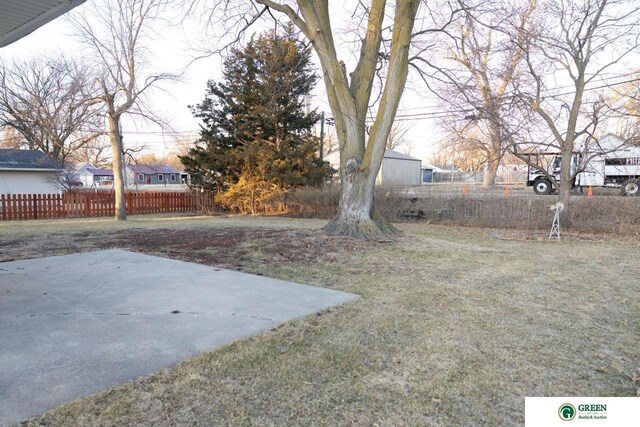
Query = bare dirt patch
x=230 y=247
x=234 y=247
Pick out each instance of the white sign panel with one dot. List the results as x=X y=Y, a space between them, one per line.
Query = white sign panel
x=582 y=411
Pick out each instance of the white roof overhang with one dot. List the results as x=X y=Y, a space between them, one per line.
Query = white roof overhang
x=21 y=17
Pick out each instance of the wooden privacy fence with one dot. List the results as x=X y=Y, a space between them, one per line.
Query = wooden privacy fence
x=101 y=203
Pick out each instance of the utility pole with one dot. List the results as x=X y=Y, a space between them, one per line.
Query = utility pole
x=322 y=136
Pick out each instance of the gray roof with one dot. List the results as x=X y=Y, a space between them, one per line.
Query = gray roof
x=150 y=170
x=18 y=18
x=390 y=154
x=27 y=159
x=100 y=172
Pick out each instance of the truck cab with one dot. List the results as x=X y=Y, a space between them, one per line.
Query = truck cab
x=540 y=181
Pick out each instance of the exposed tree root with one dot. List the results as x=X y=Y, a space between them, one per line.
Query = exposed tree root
x=367 y=229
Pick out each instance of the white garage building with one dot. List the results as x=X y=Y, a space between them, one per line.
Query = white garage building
x=397 y=169
x=28 y=172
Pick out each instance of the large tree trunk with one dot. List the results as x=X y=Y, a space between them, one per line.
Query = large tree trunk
x=567 y=146
x=356 y=216
x=350 y=98
x=490 y=173
x=566 y=183
x=115 y=138
x=494 y=152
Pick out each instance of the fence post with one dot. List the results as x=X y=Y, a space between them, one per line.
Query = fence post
x=21 y=203
x=87 y=204
x=34 y=206
x=16 y=206
x=135 y=199
x=12 y=210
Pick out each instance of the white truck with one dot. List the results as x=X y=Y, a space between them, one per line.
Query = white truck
x=613 y=163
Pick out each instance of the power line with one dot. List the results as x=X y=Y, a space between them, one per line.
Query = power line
x=401 y=116
x=452 y=113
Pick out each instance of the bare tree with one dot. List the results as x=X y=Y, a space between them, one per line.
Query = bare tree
x=477 y=70
x=153 y=159
x=397 y=136
x=443 y=156
x=579 y=41
x=115 y=32
x=49 y=102
x=11 y=138
x=96 y=152
x=623 y=106
x=468 y=146
x=182 y=145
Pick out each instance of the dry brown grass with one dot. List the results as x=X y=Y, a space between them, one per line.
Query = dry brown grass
x=442 y=204
x=453 y=327
x=608 y=214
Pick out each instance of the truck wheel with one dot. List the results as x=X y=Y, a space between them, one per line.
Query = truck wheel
x=542 y=187
x=630 y=188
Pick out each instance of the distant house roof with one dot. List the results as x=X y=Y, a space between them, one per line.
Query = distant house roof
x=150 y=170
x=12 y=159
x=80 y=167
x=100 y=172
x=390 y=154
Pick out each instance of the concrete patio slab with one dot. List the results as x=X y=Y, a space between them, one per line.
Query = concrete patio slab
x=78 y=324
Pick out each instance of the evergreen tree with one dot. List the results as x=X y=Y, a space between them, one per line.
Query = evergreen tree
x=254 y=124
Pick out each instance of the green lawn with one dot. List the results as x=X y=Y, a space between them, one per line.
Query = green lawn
x=454 y=326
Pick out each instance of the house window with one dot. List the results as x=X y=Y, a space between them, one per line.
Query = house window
x=141 y=177
x=173 y=177
x=160 y=177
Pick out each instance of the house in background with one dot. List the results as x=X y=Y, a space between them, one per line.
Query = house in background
x=165 y=176
x=138 y=177
x=28 y=172
x=101 y=177
x=397 y=169
x=440 y=173
x=435 y=173
x=92 y=177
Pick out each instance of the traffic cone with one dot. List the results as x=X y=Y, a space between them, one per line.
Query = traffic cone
x=506 y=190
x=465 y=189
x=589 y=192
